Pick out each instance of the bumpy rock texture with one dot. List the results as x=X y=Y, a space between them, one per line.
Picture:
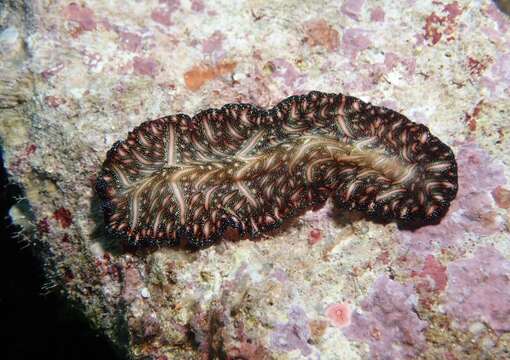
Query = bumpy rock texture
x=76 y=77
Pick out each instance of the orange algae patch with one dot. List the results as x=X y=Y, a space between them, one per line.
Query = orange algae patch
x=339 y=314
x=319 y=32
x=502 y=197
x=200 y=74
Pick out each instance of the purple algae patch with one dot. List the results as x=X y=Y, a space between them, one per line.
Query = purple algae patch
x=294 y=334
x=389 y=323
x=479 y=290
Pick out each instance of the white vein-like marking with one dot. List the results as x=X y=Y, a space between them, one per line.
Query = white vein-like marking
x=141 y=158
x=243 y=116
x=204 y=178
x=233 y=131
x=123 y=178
x=291 y=129
x=340 y=120
x=360 y=145
x=268 y=165
x=170 y=146
x=407 y=175
x=143 y=139
x=247 y=194
x=208 y=131
x=389 y=193
x=302 y=150
x=208 y=194
x=157 y=221
x=134 y=205
x=438 y=167
x=309 y=168
x=352 y=187
x=250 y=144
x=180 y=202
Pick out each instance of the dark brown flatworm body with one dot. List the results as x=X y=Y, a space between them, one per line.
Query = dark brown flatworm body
x=185 y=180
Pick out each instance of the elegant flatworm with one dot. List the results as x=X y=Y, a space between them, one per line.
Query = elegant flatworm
x=185 y=180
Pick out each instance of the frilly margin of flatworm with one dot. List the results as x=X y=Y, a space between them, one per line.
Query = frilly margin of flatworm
x=181 y=180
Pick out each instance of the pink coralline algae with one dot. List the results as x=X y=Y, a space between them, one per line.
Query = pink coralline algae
x=81 y=16
x=287 y=72
x=163 y=13
x=63 y=217
x=436 y=25
x=354 y=41
x=130 y=41
x=473 y=212
x=339 y=314
x=479 y=290
x=314 y=237
x=389 y=323
x=145 y=66
x=433 y=276
x=214 y=43
x=352 y=8
x=377 y=14
x=294 y=334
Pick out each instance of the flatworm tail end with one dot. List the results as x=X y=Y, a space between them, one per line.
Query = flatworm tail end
x=182 y=180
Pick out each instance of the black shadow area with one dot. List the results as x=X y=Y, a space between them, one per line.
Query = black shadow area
x=36 y=326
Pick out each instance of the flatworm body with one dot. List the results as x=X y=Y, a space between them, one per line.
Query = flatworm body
x=182 y=180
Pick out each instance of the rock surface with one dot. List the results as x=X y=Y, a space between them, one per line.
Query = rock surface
x=76 y=77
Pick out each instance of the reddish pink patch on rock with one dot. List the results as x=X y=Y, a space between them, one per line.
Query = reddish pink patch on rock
x=163 y=13
x=319 y=32
x=352 y=8
x=377 y=14
x=197 y=5
x=285 y=70
x=213 y=43
x=384 y=257
x=433 y=275
x=54 y=101
x=502 y=197
x=315 y=236
x=46 y=74
x=436 y=26
x=30 y=149
x=471 y=117
x=81 y=16
x=130 y=41
x=63 y=216
x=476 y=67
x=43 y=226
x=132 y=284
x=339 y=314
x=354 y=41
x=145 y=66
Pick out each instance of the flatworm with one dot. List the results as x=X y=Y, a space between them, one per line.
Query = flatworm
x=183 y=180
